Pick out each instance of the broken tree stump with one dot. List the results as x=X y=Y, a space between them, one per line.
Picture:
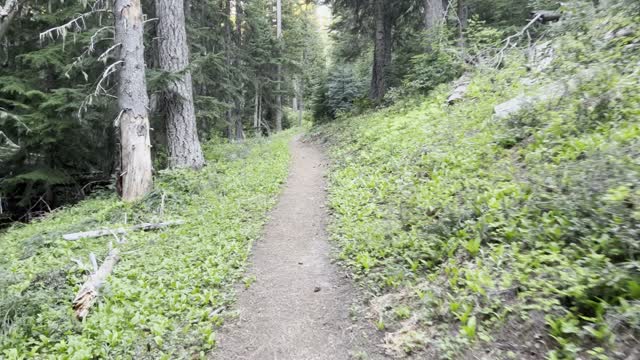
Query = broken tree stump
x=88 y=293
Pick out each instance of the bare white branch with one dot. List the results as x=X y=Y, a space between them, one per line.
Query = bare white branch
x=104 y=56
x=105 y=75
x=76 y=24
x=508 y=41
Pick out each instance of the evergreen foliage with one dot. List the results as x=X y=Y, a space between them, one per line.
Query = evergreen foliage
x=57 y=103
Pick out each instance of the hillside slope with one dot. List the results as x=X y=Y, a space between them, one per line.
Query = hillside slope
x=511 y=237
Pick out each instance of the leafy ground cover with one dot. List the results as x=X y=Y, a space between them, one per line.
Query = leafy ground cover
x=511 y=238
x=165 y=296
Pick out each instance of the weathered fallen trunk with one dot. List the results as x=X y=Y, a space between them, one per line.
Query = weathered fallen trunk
x=460 y=90
x=105 y=232
x=88 y=293
x=546 y=15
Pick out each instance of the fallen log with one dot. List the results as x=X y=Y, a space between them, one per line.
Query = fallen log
x=88 y=293
x=105 y=232
x=460 y=90
x=545 y=16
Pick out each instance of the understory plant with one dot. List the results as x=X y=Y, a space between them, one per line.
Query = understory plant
x=168 y=293
x=503 y=237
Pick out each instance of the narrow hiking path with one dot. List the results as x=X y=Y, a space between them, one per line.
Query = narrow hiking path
x=301 y=305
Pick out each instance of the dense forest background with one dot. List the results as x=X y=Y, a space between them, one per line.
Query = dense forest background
x=59 y=110
x=58 y=94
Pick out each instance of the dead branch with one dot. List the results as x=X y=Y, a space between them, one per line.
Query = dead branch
x=89 y=291
x=104 y=56
x=105 y=232
x=76 y=24
x=105 y=74
x=508 y=40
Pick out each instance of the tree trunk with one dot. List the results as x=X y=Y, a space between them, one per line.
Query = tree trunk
x=256 y=119
x=434 y=13
x=136 y=175
x=462 y=21
x=7 y=14
x=382 y=52
x=182 y=131
x=279 y=69
x=239 y=19
x=294 y=99
x=301 y=102
x=229 y=62
x=239 y=105
x=239 y=131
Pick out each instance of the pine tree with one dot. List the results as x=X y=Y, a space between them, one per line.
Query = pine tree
x=182 y=132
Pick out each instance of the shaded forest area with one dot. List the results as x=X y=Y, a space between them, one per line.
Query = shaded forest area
x=62 y=120
x=236 y=69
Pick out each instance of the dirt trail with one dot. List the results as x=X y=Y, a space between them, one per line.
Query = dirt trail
x=301 y=306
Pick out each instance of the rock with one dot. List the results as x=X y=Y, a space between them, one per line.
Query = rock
x=546 y=93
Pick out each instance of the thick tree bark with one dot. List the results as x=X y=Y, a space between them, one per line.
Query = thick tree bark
x=382 y=52
x=136 y=175
x=182 y=131
x=279 y=68
x=434 y=13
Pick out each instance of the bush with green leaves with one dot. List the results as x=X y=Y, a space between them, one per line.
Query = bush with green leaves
x=511 y=238
x=439 y=64
x=167 y=294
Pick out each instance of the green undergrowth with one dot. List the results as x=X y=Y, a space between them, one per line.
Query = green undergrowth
x=166 y=295
x=511 y=238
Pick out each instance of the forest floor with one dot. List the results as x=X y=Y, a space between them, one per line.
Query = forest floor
x=296 y=303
